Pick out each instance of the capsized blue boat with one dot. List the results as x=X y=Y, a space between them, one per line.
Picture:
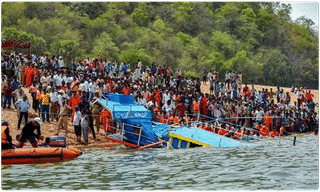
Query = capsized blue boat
x=185 y=137
x=135 y=119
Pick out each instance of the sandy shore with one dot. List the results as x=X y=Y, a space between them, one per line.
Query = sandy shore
x=50 y=129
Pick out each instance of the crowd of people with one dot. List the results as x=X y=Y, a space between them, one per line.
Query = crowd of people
x=60 y=92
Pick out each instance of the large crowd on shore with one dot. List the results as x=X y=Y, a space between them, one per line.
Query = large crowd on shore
x=59 y=93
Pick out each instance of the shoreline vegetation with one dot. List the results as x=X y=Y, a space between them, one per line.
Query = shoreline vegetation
x=258 y=39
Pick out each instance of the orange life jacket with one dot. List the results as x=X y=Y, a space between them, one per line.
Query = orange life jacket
x=4 y=139
x=196 y=106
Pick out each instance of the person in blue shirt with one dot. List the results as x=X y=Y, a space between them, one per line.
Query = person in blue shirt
x=235 y=94
x=15 y=85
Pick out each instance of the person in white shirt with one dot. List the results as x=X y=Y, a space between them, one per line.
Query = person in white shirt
x=84 y=86
x=62 y=96
x=92 y=88
x=58 y=80
x=218 y=112
x=54 y=107
x=23 y=105
x=61 y=62
x=44 y=80
x=165 y=97
x=168 y=107
x=209 y=75
x=76 y=123
x=142 y=101
x=139 y=65
x=259 y=114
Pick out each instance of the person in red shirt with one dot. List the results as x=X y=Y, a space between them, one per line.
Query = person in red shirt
x=222 y=130
x=264 y=132
x=181 y=108
x=63 y=87
x=126 y=90
x=309 y=96
x=259 y=126
x=7 y=92
x=245 y=88
x=267 y=119
x=106 y=119
x=204 y=107
x=29 y=73
x=163 y=118
x=274 y=133
x=237 y=135
x=196 y=106
x=157 y=96
x=110 y=86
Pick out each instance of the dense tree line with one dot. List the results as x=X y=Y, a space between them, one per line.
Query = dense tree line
x=257 y=39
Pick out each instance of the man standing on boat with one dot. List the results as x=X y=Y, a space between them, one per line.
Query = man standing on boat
x=28 y=133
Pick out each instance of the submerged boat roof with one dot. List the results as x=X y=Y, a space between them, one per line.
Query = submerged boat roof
x=204 y=138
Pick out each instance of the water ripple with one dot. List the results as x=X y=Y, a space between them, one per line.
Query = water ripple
x=265 y=166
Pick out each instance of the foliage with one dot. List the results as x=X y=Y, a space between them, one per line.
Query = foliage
x=131 y=56
x=257 y=38
x=68 y=49
x=105 y=48
x=190 y=74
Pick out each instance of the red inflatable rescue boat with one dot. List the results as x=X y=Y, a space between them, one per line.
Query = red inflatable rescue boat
x=38 y=155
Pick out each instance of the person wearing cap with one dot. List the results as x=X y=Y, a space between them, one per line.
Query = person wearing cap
x=63 y=120
x=23 y=106
x=6 y=139
x=27 y=133
x=95 y=108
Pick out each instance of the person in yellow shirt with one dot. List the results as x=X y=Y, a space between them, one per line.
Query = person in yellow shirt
x=45 y=103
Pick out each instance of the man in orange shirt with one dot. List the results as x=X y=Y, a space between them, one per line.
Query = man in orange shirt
x=204 y=108
x=196 y=107
x=163 y=118
x=274 y=133
x=126 y=90
x=157 y=96
x=309 y=96
x=264 y=131
x=259 y=126
x=28 y=72
x=267 y=119
x=73 y=102
x=222 y=131
x=110 y=86
x=106 y=119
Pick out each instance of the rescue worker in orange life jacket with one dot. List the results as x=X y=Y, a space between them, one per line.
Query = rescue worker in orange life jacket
x=6 y=139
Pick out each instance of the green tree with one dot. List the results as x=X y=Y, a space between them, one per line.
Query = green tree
x=68 y=49
x=11 y=12
x=132 y=55
x=88 y=9
x=105 y=48
x=139 y=17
